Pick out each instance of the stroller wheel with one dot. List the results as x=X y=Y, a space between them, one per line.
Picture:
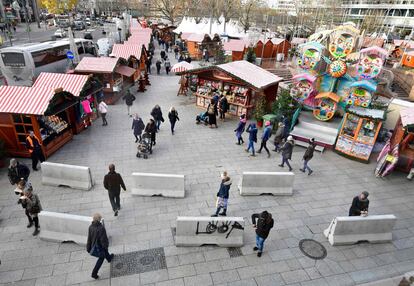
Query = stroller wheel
x=138 y=155
x=150 y=152
x=145 y=156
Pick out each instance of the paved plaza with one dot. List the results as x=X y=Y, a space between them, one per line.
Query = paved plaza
x=201 y=154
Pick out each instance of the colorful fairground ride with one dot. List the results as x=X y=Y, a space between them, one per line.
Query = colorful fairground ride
x=334 y=77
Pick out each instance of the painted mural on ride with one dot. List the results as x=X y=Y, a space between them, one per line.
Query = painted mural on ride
x=335 y=74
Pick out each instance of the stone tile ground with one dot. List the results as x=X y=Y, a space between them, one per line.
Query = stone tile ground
x=201 y=154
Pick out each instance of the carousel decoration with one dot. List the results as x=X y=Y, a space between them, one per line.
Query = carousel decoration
x=370 y=63
x=303 y=87
x=327 y=104
x=360 y=93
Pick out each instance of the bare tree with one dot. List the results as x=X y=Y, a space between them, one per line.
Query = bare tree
x=170 y=10
x=248 y=10
x=229 y=9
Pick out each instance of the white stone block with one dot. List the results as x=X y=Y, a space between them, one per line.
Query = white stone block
x=150 y=184
x=220 y=231
x=353 y=229
x=76 y=177
x=259 y=183
x=60 y=227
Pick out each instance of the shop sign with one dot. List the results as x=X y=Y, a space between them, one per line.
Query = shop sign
x=221 y=75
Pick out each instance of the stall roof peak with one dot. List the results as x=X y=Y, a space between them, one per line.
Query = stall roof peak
x=72 y=83
x=244 y=71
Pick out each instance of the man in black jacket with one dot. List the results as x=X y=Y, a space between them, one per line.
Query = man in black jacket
x=308 y=156
x=98 y=239
x=360 y=205
x=263 y=223
x=17 y=171
x=113 y=183
x=129 y=100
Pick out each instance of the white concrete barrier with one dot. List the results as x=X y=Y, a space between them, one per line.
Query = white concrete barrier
x=353 y=229
x=76 y=177
x=198 y=231
x=61 y=227
x=151 y=184
x=259 y=183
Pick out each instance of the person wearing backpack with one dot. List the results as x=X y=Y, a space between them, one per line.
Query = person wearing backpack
x=262 y=223
x=97 y=244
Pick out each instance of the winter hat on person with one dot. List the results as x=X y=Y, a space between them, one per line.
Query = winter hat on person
x=13 y=163
x=267 y=123
x=290 y=138
x=366 y=194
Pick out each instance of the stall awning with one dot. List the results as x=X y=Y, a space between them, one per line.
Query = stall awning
x=126 y=51
x=25 y=100
x=366 y=112
x=97 y=65
x=72 y=83
x=407 y=117
x=124 y=70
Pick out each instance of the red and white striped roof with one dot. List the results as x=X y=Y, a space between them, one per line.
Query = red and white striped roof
x=181 y=66
x=97 y=65
x=25 y=100
x=72 y=83
x=126 y=51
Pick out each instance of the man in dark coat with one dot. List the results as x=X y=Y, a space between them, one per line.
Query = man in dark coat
x=173 y=117
x=35 y=149
x=162 y=53
x=113 y=183
x=223 y=107
x=151 y=129
x=223 y=195
x=308 y=156
x=265 y=136
x=158 y=66
x=129 y=100
x=97 y=238
x=287 y=150
x=252 y=130
x=156 y=113
x=138 y=126
x=148 y=63
x=360 y=205
x=263 y=223
x=17 y=171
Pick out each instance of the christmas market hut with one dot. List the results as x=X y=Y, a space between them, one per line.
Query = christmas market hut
x=110 y=72
x=243 y=84
x=43 y=110
x=85 y=88
x=236 y=48
x=197 y=43
x=135 y=56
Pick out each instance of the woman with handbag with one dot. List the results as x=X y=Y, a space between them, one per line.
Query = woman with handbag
x=33 y=206
x=98 y=244
x=212 y=113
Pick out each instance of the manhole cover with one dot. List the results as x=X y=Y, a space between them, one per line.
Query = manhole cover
x=138 y=262
x=313 y=249
x=146 y=260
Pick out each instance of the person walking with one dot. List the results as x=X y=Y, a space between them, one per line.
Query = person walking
x=162 y=54
x=308 y=156
x=138 y=126
x=265 y=136
x=173 y=117
x=240 y=129
x=156 y=113
x=151 y=129
x=212 y=113
x=262 y=223
x=278 y=139
x=35 y=149
x=17 y=171
x=223 y=195
x=176 y=52
x=33 y=207
x=223 y=107
x=129 y=101
x=113 y=183
x=252 y=130
x=148 y=64
x=97 y=244
x=103 y=110
x=360 y=205
x=287 y=150
x=167 y=65
x=158 y=66
x=21 y=185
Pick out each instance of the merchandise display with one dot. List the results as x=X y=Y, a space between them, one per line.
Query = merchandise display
x=51 y=125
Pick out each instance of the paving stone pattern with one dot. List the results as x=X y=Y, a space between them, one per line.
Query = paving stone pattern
x=202 y=154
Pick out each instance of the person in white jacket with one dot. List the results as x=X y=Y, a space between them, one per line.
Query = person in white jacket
x=103 y=109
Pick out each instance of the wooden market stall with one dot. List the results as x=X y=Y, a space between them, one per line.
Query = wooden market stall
x=197 y=43
x=236 y=48
x=85 y=88
x=109 y=71
x=359 y=132
x=408 y=59
x=243 y=83
x=280 y=46
x=44 y=110
x=263 y=50
x=135 y=56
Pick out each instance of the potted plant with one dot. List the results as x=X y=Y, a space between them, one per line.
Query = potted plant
x=260 y=111
x=2 y=153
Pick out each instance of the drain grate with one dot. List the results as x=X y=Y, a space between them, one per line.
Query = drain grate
x=138 y=262
x=235 y=251
x=312 y=249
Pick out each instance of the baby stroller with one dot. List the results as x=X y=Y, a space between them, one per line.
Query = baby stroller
x=202 y=117
x=144 y=146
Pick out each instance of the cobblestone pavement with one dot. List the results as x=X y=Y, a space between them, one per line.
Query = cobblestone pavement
x=201 y=154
